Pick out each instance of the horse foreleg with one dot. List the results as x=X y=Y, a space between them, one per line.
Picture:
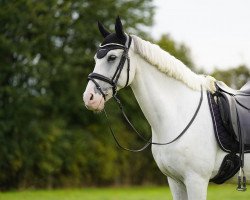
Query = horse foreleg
x=178 y=189
x=196 y=187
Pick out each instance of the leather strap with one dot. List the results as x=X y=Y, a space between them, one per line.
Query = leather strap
x=149 y=141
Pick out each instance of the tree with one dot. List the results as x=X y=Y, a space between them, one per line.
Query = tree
x=47 y=139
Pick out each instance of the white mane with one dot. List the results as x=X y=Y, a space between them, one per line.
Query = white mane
x=171 y=66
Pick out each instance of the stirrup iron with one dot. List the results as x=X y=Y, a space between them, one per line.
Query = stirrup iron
x=241 y=181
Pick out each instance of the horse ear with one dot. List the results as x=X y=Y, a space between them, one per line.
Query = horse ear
x=119 y=29
x=103 y=30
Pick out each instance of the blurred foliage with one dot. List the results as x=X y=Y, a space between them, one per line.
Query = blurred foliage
x=47 y=138
x=235 y=77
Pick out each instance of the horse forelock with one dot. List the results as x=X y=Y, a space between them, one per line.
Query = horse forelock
x=171 y=66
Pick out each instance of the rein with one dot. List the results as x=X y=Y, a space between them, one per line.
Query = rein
x=148 y=141
x=113 y=82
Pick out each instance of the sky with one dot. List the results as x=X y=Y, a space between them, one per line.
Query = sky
x=216 y=31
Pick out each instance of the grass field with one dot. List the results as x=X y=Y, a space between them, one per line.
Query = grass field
x=224 y=192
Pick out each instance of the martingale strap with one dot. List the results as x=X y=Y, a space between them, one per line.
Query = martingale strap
x=117 y=141
x=149 y=141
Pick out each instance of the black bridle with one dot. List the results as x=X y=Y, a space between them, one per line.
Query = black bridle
x=113 y=82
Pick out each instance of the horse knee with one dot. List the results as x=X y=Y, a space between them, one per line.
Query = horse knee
x=178 y=189
x=196 y=187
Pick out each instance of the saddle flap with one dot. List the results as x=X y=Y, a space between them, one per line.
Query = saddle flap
x=244 y=123
x=235 y=113
x=228 y=111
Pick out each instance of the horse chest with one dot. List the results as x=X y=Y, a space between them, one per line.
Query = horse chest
x=171 y=163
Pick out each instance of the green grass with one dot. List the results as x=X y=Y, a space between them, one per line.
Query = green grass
x=222 y=192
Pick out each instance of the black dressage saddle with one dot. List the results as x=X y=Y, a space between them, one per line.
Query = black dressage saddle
x=234 y=107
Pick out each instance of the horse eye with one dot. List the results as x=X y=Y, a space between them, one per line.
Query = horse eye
x=111 y=58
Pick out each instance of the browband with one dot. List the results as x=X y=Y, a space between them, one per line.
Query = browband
x=103 y=50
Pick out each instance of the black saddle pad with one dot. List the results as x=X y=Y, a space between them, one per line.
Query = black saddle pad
x=225 y=140
x=229 y=167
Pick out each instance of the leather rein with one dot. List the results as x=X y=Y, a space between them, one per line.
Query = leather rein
x=113 y=82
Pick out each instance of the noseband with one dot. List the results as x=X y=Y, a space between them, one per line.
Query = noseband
x=101 y=52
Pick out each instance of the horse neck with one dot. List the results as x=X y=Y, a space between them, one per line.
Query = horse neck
x=167 y=104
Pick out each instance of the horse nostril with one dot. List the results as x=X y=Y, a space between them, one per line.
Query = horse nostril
x=91 y=97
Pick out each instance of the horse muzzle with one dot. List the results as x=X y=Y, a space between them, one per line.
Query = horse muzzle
x=93 y=101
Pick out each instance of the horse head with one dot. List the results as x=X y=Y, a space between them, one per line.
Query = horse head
x=113 y=68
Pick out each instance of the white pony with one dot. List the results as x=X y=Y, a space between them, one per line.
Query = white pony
x=168 y=93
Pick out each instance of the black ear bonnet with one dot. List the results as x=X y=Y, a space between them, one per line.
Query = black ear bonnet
x=105 y=48
x=113 y=38
x=117 y=40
